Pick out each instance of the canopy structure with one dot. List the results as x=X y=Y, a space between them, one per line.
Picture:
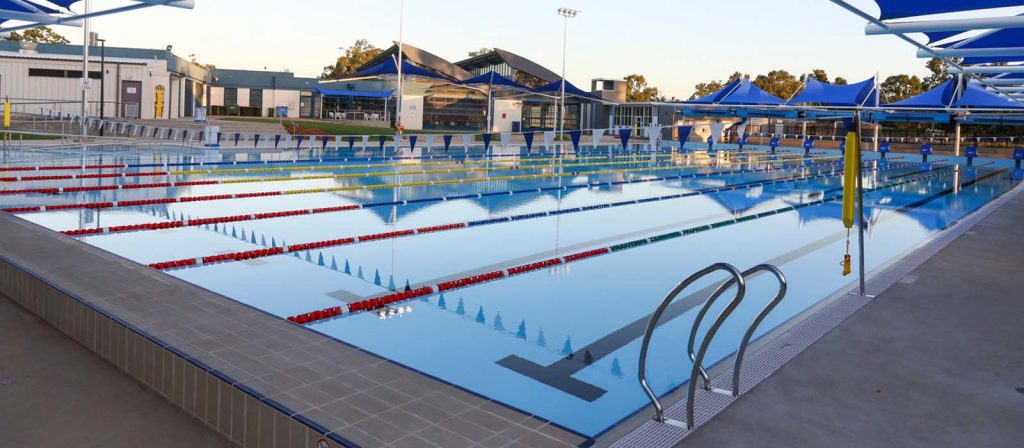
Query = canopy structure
x=976 y=96
x=864 y=93
x=741 y=92
x=974 y=38
x=390 y=68
x=37 y=13
x=493 y=80
x=940 y=97
x=555 y=88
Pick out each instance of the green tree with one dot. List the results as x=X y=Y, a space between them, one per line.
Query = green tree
x=779 y=83
x=940 y=72
x=899 y=87
x=482 y=51
x=637 y=89
x=355 y=56
x=43 y=35
x=819 y=75
x=840 y=81
x=707 y=88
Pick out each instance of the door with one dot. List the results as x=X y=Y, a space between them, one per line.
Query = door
x=189 y=97
x=131 y=99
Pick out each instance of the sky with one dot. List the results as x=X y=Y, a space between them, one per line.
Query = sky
x=675 y=44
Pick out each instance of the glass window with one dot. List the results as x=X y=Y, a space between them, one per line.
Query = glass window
x=256 y=98
x=230 y=96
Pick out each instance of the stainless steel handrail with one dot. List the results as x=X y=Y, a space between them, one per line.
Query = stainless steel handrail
x=783 y=287
x=737 y=277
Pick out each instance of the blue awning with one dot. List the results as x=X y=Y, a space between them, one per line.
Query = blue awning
x=389 y=68
x=355 y=93
x=976 y=96
x=818 y=92
x=916 y=117
x=898 y=9
x=939 y=97
x=741 y=92
x=493 y=79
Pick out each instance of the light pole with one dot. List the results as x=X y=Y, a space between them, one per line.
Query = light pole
x=85 y=67
x=401 y=86
x=566 y=14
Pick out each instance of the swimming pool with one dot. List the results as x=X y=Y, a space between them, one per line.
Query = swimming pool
x=556 y=339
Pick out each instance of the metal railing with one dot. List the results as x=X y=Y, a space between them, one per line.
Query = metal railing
x=737 y=279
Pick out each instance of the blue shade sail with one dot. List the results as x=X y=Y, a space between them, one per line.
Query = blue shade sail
x=493 y=79
x=898 y=9
x=939 y=97
x=836 y=95
x=976 y=96
x=389 y=68
x=570 y=90
x=740 y=92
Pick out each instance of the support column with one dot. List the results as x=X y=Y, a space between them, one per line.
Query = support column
x=956 y=139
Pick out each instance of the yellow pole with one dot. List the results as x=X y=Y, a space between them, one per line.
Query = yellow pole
x=850 y=175
x=7 y=119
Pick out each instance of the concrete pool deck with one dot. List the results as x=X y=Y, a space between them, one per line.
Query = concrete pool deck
x=933 y=361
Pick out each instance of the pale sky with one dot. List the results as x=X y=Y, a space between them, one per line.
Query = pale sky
x=674 y=43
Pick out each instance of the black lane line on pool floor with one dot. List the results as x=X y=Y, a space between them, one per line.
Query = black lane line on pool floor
x=559 y=374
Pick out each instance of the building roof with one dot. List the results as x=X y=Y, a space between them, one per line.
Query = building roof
x=174 y=63
x=255 y=79
x=515 y=61
x=421 y=58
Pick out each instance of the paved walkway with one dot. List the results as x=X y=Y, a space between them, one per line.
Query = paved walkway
x=53 y=392
x=937 y=360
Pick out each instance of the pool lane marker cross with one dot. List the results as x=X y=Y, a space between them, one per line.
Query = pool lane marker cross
x=386 y=300
x=271 y=215
x=260 y=253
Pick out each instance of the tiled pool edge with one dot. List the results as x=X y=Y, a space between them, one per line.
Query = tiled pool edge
x=171 y=372
x=781 y=345
x=154 y=363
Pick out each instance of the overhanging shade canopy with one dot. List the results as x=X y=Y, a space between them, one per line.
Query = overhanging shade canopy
x=898 y=9
x=41 y=13
x=741 y=92
x=938 y=98
x=493 y=79
x=355 y=93
x=976 y=96
x=570 y=90
x=818 y=92
x=389 y=68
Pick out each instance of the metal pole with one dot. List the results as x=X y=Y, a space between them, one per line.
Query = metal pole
x=860 y=206
x=103 y=79
x=566 y=14
x=85 y=67
x=401 y=85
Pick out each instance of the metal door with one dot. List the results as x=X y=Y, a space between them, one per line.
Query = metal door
x=131 y=99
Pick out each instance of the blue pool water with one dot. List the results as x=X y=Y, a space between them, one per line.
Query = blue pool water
x=561 y=343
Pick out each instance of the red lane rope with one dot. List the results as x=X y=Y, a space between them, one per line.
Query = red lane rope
x=84 y=176
x=9 y=169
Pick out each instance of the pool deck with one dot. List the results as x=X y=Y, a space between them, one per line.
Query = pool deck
x=934 y=360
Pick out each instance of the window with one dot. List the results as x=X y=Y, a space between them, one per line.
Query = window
x=256 y=98
x=58 y=73
x=230 y=96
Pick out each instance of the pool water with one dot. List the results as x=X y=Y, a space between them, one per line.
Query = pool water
x=562 y=342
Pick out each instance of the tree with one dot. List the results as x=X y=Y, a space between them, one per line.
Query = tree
x=779 y=83
x=940 y=72
x=819 y=75
x=482 y=51
x=637 y=89
x=707 y=88
x=899 y=87
x=43 y=35
x=840 y=81
x=355 y=56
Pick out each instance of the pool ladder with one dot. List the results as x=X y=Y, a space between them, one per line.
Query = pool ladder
x=738 y=279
